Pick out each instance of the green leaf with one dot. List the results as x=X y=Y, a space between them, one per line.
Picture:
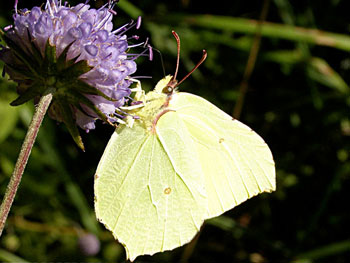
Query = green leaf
x=20 y=70
x=67 y=117
x=35 y=52
x=319 y=70
x=85 y=88
x=19 y=52
x=285 y=56
x=75 y=98
x=76 y=70
x=50 y=59
x=36 y=89
x=62 y=62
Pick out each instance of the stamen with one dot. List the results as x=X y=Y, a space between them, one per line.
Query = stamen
x=138 y=55
x=150 y=50
x=54 y=6
x=133 y=107
x=134 y=37
x=16 y=3
x=112 y=12
x=118 y=115
x=102 y=7
x=120 y=121
x=103 y=21
x=138 y=23
x=7 y=28
x=142 y=77
x=48 y=6
x=119 y=29
x=130 y=26
x=107 y=57
x=136 y=45
x=136 y=102
x=110 y=2
x=146 y=42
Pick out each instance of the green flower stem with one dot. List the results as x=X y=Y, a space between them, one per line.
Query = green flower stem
x=27 y=146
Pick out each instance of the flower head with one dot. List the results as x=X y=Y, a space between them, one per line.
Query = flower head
x=75 y=53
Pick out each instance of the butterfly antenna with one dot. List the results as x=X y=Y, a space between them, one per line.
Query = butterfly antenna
x=173 y=82
x=178 y=53
x=204 y=56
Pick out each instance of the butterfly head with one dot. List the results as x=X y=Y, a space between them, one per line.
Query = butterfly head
x=169 y=84
x=166 y=86
x=170 y=87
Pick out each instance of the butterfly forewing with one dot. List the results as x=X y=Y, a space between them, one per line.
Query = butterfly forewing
x=236 y=162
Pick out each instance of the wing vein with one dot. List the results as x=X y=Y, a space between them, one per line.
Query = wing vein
x=258 y=164
x=126 y=175
x=212 y=132
x=174 y=167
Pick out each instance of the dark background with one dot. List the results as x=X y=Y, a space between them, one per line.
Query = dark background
x=297 y=100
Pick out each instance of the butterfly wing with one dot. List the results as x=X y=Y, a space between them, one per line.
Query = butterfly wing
x=148 y=200
x=236 y=162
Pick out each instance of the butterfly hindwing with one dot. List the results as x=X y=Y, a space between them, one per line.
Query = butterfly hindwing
x=142 y=196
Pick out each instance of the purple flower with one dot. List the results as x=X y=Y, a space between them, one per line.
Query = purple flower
x=75 y=51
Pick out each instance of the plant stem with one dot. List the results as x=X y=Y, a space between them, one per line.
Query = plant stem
x=27 y=146
x=251 y=62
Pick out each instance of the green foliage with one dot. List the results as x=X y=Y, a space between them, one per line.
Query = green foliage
x=297 y=100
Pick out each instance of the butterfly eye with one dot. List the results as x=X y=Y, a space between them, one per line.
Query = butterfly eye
x=168 y=90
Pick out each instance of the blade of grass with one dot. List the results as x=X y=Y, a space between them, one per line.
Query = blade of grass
x=20 y=222
x=130 y=9
x=319 y=70
x=6 y=256
x=272 y=30
x=326 y=251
